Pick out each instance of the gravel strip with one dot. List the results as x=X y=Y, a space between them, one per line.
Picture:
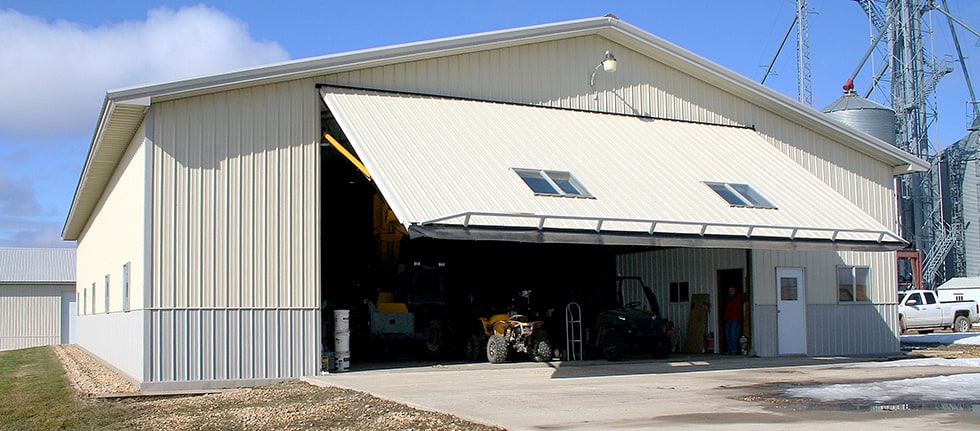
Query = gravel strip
x=293 y=405
x=90 y=376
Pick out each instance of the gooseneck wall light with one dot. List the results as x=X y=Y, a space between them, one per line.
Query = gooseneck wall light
x=608 y=64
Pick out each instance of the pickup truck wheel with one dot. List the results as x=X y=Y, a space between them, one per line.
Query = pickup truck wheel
x=961 y=324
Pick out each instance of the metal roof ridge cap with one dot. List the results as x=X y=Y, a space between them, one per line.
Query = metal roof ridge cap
x=769 y=94
x=320 y=64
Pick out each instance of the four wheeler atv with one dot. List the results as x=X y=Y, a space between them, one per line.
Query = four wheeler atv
x=631 y=327
x=516 y=334
x=476 y=345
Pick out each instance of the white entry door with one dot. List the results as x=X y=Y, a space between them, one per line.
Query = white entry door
x=790 y=311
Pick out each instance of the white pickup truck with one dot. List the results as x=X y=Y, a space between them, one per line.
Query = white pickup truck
x=921 y=310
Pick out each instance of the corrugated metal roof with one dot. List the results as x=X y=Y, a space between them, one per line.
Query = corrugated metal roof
x=444 y=161
x=961 y=283
x=37 y=265
x=851 y=101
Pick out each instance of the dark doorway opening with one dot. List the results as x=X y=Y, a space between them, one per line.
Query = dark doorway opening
x=410 y=299
x=730 y=278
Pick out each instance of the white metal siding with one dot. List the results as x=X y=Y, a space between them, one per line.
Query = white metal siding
x=114 y=234
x=214 y=347
x=236 y=238
x=124 y=349
x=858 y=328
x=556 y=73
x=30 y=315
x=113 y=237
x=821 y=273
x=235 y=192
x=854 y=329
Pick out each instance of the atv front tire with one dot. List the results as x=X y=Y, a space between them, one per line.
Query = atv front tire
x=497 y=349
x=541 y=350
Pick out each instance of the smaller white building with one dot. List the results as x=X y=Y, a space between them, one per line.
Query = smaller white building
x=960 y=289
x=37 y=297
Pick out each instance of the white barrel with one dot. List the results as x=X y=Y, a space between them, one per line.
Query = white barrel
x=343 y=361
x=341 y=342
x=341 y=321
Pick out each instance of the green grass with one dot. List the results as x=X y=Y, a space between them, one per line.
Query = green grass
x=35 y=394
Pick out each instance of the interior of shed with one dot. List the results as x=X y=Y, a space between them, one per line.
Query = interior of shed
x=369 y=264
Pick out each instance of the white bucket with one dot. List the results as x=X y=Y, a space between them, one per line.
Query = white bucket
x=341 y=342
x=341 y=320
x=343 y=361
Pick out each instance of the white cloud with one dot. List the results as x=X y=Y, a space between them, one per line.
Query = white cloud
x=55 y=74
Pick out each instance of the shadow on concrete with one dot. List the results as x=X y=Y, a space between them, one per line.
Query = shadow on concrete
x=678 y=363
x=688 y=363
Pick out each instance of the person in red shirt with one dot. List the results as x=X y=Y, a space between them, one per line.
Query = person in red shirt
x=733 y=315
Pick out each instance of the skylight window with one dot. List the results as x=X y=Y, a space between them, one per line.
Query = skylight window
x=552 y=183
x=740 y=195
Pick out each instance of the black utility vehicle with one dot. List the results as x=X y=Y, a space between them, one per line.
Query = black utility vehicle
x=630 y=326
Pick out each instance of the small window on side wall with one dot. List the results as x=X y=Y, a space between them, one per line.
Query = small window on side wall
x=107 y=293
x=679 y=291
x=852 y=284
x=553 y=183
x=125 y=287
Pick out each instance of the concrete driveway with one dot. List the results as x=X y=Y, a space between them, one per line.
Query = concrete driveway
x=684 y=391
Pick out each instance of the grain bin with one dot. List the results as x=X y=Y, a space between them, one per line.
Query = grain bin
x=865 y=115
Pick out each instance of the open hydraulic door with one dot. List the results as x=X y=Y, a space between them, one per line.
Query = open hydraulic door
x=466 y=169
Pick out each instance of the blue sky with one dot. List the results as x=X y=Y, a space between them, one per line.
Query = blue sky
x=58 y=58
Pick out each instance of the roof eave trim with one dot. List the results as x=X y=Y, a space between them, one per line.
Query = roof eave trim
x=552 y=236
x=793 y=233
x=77 y=216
